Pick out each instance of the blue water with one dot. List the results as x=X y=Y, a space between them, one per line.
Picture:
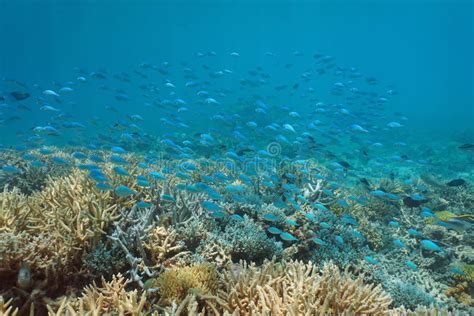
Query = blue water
x=341 y=129
x=423 y=47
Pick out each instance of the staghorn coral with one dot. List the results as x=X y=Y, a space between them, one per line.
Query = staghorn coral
x=6 y=309
x=164 y=247
x=50 y=231
x=296 y=288
x=110 y=298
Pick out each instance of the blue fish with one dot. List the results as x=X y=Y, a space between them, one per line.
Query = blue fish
x=118 y=160
x=121 y=171
x=144 y=204
x=288 y=237
x=168 y=198
x=431 y=246
x=413 y=232
x=235 y=188
x=399 y=243
x=270 y=217
x=37 y=164
x=237 y=217
x=156 y=175
x=104 y=186
x=411 y=265
x=274 y=230
x=10 y=169
x=118 y=150
x=394 y=224
x=371 y=260
x=211 y=206
x=318 y=241
x=79 y=155
x=123 y=191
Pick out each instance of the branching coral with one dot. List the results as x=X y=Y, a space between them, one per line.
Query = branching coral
x=110 y=298
x=164 y=248
x=296 y=288
x=6 y=309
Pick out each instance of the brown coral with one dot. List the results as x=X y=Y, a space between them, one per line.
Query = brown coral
x=176 y=284
x=110 y=298
x=164 y=247
x=296 y=288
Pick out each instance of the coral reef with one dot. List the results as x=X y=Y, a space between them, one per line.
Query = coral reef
x=162 y=250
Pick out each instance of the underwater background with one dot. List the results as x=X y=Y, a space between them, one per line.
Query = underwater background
x=236 y=157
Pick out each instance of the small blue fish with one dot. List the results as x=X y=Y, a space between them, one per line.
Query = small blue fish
x=325 y=225
x=399 y=243
x=411 y=265
x=10 y=169
x=98 y=176
x=378 y=193
x=79 y=155
x=183 y=175
x=343 y=203
x=270 y=217
x=142 y=181
x=168 y=198
x=37 y=164
x=144 y=204
x=143 y=165
x=291 y=222
x=104 y=186
x=120 y=171
x=339 y=240
x=118 y=150
x=123 y=191
x=156 y=175
x=318 y=241
x=394 y=224
x=348 y=219
x=96 y=158
x=211 y=206
x=288 y=237
x=29 y=156
x=413 y=232
x=235 y=188
x=237 y=217
x=371 y=260
x=45 y=151
x=60 y=160
x=417 y=197
x=274 y=230
x=431 y=246
x=118 y=160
